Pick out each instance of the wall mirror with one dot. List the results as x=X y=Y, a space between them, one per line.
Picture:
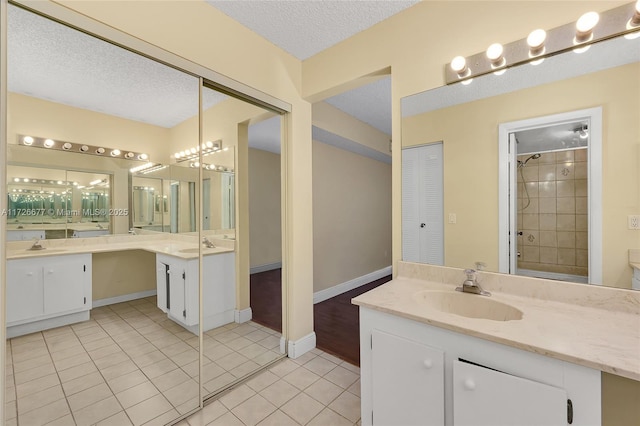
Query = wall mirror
x=533 y=131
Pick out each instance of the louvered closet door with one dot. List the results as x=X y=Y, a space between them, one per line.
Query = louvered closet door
x=423 y=204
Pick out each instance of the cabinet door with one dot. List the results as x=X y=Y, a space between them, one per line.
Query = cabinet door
x=177 y=308
x=24 y=291
x=482 y=396
x=407 y=380
x=162 y=278
x=64 y=282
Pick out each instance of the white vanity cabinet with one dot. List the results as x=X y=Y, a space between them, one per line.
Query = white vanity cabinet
x=413 y=373
x=177 y=289
x=25 y=234
x=47 y=291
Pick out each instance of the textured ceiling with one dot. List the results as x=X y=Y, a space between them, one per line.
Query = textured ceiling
x=53 y=62
x=304 y=28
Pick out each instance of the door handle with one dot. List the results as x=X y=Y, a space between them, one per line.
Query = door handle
x=422 y=225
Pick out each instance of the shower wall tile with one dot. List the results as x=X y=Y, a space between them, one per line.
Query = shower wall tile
x=548 y=239
x=548 y=222
x=532 y=208
x=582 y=205
x=565 y=188
x=547 y=189
x=580 y=155
x=564 y=171
x=582 y=223
x=530 y=221
x=532 y=187
x=548 y=255
x=547 y=158
x=565 y=157
x=530 y=173
x=531 y=254
x=566 y=256
x=566 y=239
x=582 y=240
x=566 y=205
x=566 y=222
x=530 y=238
x=582 y=257
x=547 y=205
x=547 y=172
x=581 y=170
x=581 y=188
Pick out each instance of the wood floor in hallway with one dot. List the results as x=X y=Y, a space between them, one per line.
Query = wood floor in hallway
x=336 y=320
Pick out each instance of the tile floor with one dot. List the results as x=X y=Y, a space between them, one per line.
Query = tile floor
x=129 y=364
x=316 y=389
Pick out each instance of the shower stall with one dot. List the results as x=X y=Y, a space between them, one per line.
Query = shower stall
x=552 y=203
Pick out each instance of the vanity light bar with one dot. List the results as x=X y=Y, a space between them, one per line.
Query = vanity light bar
x=154 y=168
x=589 y=29
x=38 y=181
x=207 y=148
x=46 y=143
x=212 y=167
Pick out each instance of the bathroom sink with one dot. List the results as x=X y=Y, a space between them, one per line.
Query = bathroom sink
x=468 y=305
x=195 y=250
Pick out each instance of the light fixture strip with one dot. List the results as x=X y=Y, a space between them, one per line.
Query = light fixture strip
x=612 y=23
x=208 y=148
x=45 y=143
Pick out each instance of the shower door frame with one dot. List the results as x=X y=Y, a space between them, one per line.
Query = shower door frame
x=507 y=165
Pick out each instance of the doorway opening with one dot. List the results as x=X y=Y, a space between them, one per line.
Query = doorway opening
x=550 y=197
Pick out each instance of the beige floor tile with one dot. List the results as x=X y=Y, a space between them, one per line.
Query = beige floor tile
x=182 y=393
x=37 y=385
x=99 y=411
x=39 y=399
x=163 y=419
x=355 y=388
x=45 y=414
x=118 y=419
x=118 y=370
x=72 y=361
x=301 y=378
x=63 y=421
x=99 y=334
x=159 y=368
x=227 y=336
x=278 y=418
x=28 y=338
x=302 y=408
x=82 y=383
x=253 y=410
x=324 y=391
x=270 y=342
x=262 y=380
x=66 y=353
x=10 y=393
x=42 y=360
x=175 y=349
x=268 y=357
x=127 y=381
x=341 y=377
x=231 y=361
x=185 y=357
x=257 y=336
x=189 y=406
x=226 y=420
x=347 y=405
x=245 y=369
x=351 y=367
x=331 y=358
x=77 y=371
x=320 y=365
x=237 y=396
x=164 y=342
x=89 y=396
x=148 y=358
x=111 y=360
x=279 y=393
x=136 y=394
x=239 y=343
x=149 y=409
x=329 y=417
x=98 y=343
x=11 y=410
x=304 y=358
x=216 y=350
x=209 y=413
x=253 y=350
x=211 y=371
x=219 y=382
x=23 y=350
x=283 y=367
x=171 y=379
x=33 y=373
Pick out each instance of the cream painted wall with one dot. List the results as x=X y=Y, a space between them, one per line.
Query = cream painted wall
x=265 y=231
x=471 y=162
x=352 y=215
x=120 y=273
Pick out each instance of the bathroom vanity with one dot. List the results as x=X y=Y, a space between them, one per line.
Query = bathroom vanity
x=524 y=355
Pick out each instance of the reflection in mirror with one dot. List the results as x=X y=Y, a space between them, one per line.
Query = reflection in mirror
x=563 y=225
x=234 y=346
x=108 y=331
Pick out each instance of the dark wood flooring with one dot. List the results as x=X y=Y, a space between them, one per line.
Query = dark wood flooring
x=336 y=320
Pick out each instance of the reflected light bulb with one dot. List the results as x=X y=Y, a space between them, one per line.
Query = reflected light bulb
x=536 y=38
x=49 y=143
x=585 y=25
x=28 y=140
x=459 y=64
x=494 y=52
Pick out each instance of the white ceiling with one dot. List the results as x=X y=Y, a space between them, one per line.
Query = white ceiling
x=53 y=62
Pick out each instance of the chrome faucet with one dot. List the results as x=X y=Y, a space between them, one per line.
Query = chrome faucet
x=207 y=242
x=132 y=231
x=471 y=285
x=36 y=245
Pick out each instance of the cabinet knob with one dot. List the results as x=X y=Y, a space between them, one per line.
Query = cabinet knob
x=469 y=384
x=427 y=363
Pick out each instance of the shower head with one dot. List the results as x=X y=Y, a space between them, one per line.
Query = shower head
x=533 y=157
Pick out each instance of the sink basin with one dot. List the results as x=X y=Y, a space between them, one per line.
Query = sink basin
x=195 y=250
x=468 y=305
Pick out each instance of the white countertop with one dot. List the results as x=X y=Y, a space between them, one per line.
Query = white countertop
x=168 y=244
x=601 y=330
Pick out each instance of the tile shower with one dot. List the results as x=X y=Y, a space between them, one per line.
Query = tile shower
x=552 y=213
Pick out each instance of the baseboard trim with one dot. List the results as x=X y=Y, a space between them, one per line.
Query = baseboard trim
x=243 y=315
x=124 y=298
x=46 y=324
x=265 y=268
x=328 y=293
x=296 y=349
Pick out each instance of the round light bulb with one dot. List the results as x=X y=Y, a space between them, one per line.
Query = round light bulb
x=59 y=182
x=27 y=140
x=458 y=64
x=494 y=52
x=66 y=146
x=84 y=148
x=536 y=38
x=177 y=155
x=49 y=143
x=25 y=180
x=209 y=144
x=100 y=151
x=143 y=157
x=129 y=155
x=115 y=152
x=587 y=22
x=182 y=153
x=16 y=179
x=193 y=150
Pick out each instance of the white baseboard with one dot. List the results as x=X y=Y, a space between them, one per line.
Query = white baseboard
x=283 y=344
x=301 y=346
x=124 y=298
x=46 y=324
x=328 y=293
x=265 y=268
x=243 y=316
